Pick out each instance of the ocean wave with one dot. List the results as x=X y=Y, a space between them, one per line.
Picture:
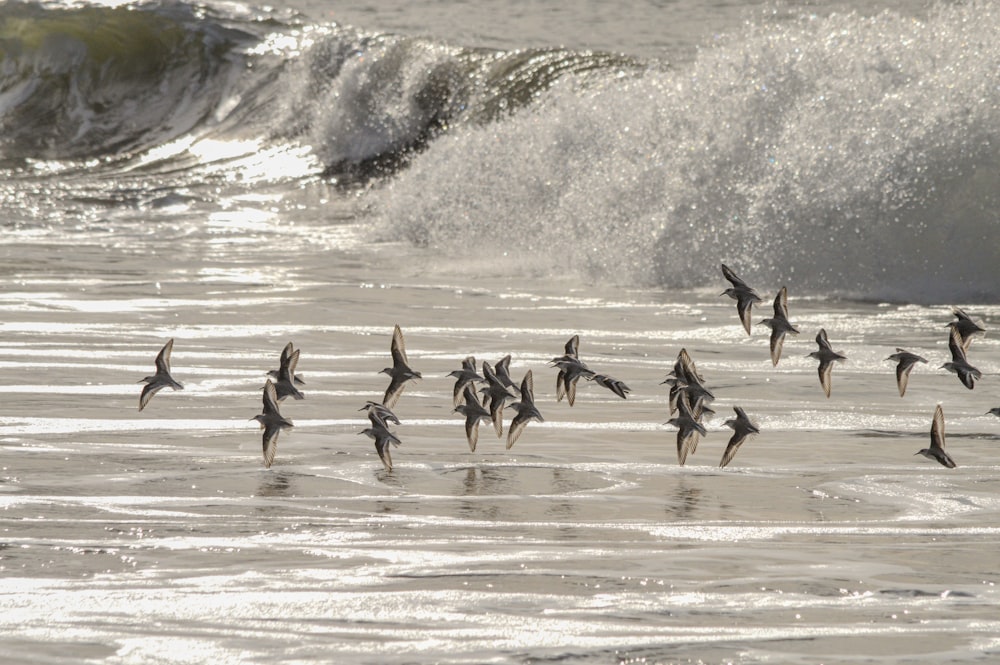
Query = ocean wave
x=91 y=81
x=843 y=154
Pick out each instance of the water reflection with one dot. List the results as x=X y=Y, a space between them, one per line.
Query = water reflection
x=275 y=484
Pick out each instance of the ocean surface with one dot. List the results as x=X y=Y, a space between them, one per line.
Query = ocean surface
x=496 y=177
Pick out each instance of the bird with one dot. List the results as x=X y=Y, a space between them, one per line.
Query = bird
x=571 y=368
x=744 y=296
x=905 y=362
x=502 y=370
x=994 y=411
x=826 y=355
x=474 y=412
x=380 y=433
x=614 y=385
x=779 y=325
x=526 y=410
x=743 y=427
x=688 y=428
x=381 y=411
x=465 y=377
x=400 y=372
x=285 y=353
x=161 y=379
x=285 y=385
x=495 y=394
x=685 y=379
x=959 y=364
x=965 y=326
x=936 y=451
x=272 y=422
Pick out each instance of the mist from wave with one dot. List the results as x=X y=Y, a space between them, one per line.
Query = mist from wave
x=845 y=152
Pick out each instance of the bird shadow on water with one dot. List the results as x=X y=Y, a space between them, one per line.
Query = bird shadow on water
x=275 y=484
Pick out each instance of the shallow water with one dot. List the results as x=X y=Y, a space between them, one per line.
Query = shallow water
x=601 y=206
x=159 y=536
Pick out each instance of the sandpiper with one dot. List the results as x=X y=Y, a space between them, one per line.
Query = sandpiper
x=959 y=364
x=779 y=325
x=571 y=368
x=965 y=327
x=614 y=385
x=400 y=372
x=474 y=412
x=161 y=379
x=688 y=428
x=502 y=370
x=382 y=437
x=904 y=363
x=464 y=378
x=496 y=395
x=685 y=379
x=272 y=422
x=994 y=411
x=285 y=385
x=380 y=411
x=526 y=410
x=744 y=296
x=285 y=353
x=826 y=355
x=743 y=427
x=936 y=451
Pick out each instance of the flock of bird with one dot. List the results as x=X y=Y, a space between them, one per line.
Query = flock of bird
x=689 y=398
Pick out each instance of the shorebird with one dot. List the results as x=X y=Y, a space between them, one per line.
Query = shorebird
x=904 y=363
x=779 y=325
x=526 y=410
x=744 y=296
x=380 y=433
x=272 y=422
x=965 y=327
x=474 y=412
x=285 y=385
x=826 y=355
x=685 y=379
x=400 y=371
x=502 y=370
x=285 y=353
x=381 y=412
x=742 y=428
x=571 y=368
x=464 y=378
x=994 y=411
x=161 y=379
x=688 y=428
x=936 y=451
x=959 y=364
x=614 y=385
x=496 y=395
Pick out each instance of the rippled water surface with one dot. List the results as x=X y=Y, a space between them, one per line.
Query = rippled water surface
x=159 y=536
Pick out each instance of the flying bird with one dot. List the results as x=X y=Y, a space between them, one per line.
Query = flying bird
x=904 y=363
x=959 y=364
x=400 y=372
x=161 y=379
x=526 y=410
x=272 y=422
x=688 y=428
x=826 y=355
x=464 y=378
x=474 y=412
x=285 y=385
x=965 y=326
x=936 y=451
x=744 y=296
x=285 y=353
x=779 y=325
x=380 y=433
x=742 y=428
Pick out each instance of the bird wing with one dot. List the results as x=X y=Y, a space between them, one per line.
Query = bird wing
x=825 y=371
x=472 y=431
x=163 y=357
x=398 y=346
x=393 y=391
x=270 y=442
x=903 y=375
x=270 y=398
x=573 y=346
x=743 y=305
x=516 y=427
x=734 y=445
x=937 y=430
x=777 y=342
x=147 y=393
x=781 y=304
